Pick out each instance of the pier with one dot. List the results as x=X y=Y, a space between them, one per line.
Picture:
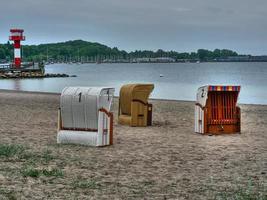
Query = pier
x=27 y=70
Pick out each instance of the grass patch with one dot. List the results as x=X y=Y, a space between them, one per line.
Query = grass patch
x=31 y=172
x=53 y=172
x=11 y=150
x=27 y=155
x=35 y=173
x=47 y=156
x=30 y=157
x=86 y=184
x=33 y=158
x=253 y=191
x=10 y=195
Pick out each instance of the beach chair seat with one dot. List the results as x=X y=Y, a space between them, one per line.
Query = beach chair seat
x=85 y=117
x=134 y=109
x=216 y=110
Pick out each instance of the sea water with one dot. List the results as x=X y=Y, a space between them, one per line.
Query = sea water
x=178 y=81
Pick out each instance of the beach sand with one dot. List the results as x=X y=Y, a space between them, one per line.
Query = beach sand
x=165 y=161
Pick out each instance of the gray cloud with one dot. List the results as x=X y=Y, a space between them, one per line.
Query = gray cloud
x=182 y=25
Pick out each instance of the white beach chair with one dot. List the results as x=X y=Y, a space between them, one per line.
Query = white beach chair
x=84 y=116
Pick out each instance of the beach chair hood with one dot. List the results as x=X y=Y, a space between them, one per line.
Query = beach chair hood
x=79 y=105
x=130 y=92
x=202 y=92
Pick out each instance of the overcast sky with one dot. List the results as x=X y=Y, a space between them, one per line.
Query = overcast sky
x=181 y=25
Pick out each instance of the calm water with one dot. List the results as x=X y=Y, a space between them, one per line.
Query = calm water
x=180 y=81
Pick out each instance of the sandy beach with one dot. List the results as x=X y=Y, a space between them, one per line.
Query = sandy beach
x=165 y=161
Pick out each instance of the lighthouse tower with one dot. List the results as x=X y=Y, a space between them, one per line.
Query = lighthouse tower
x=17 y=36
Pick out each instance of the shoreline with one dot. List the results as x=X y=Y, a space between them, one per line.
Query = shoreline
x=152 y=99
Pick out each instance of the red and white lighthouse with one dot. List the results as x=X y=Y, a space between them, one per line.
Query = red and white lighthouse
x=17 y=36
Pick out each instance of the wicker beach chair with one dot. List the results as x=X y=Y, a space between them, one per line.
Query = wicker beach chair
x=84 y=116
x=216 y=110
x=134 y=109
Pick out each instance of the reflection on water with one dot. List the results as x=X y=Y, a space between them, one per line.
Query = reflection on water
x=17 y=84
x=179 y=81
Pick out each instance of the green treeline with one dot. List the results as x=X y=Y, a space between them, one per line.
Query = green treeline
x=79 y=50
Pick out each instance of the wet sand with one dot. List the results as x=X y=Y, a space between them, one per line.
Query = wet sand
x=165 y=161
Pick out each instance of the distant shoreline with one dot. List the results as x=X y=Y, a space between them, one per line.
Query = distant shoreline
x=84 y=51
x=152 y=99
x=48 y=63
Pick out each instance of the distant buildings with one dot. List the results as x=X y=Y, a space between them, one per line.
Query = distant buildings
x=245 y=58
x=258 y=58
x=242 y=59
x=154 y=60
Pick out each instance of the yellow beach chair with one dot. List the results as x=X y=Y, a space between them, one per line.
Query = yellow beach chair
x=134 y=109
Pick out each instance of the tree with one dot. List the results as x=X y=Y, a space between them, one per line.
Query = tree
x=203 y=54
x=2 y=54
x=71 y=50
x=216 y=53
